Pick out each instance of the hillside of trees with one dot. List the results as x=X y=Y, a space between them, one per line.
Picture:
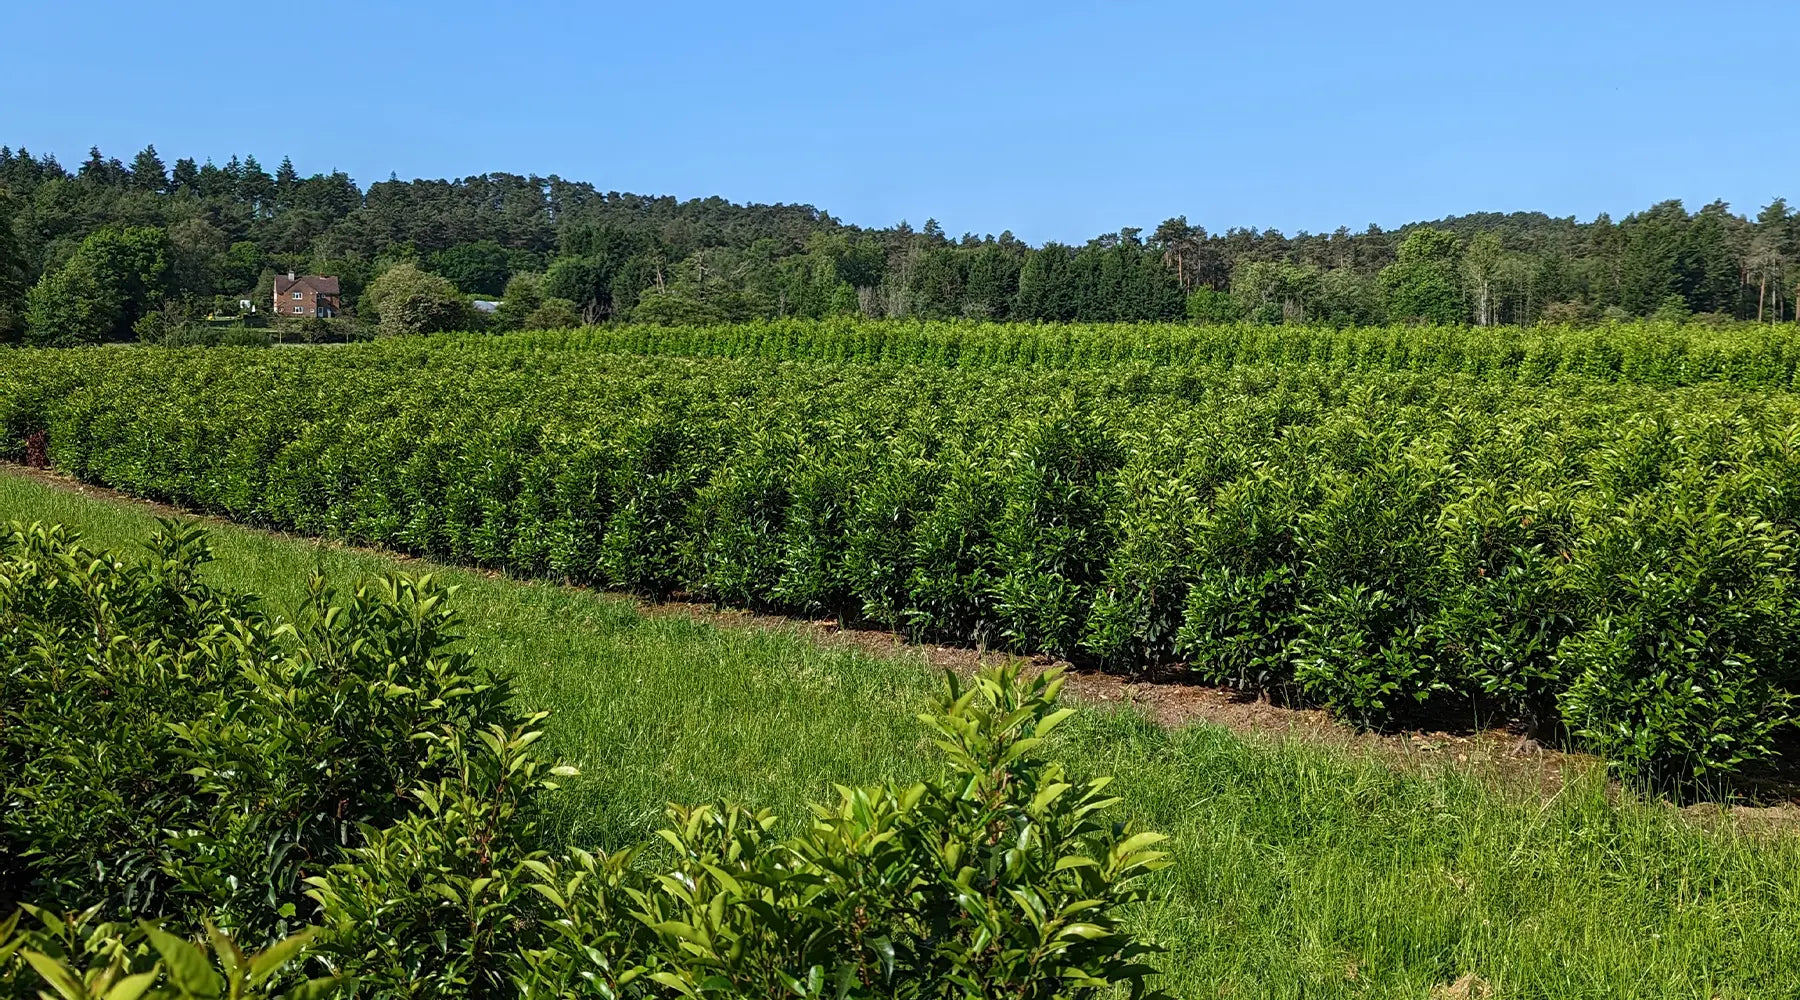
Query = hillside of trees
x=118 y=251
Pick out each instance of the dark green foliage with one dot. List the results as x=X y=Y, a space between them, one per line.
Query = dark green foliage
x=576 y=280
x=171 y=753
x=1240 y=620
x=441 y=902
x=112 y=279
x=1384 y=522
x=521 y=299
x=240 y=268
x=720 y=261
x=1696 y=663
x=992 y=283
x=13 y=283
x=213 y=335
x=480 y=268
x=82 y=958
x=1422 y=283
x=937 y=283
x=149 y=174
x=629 y=283
x=552 y=314
x=1051 y=538
x=664 y=308
x=1113 y=278
x=1209 y=305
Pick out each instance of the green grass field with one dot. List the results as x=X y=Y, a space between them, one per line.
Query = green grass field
x=1300 y=870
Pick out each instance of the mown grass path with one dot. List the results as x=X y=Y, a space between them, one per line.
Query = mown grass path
x=1302 y=870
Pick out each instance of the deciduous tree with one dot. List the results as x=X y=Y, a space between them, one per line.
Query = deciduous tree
x=479 y=268
x=112 y=279
x=1482 y=265
x=553 y=314
x=524 y=294
x=406 y=300
x=1423 y=282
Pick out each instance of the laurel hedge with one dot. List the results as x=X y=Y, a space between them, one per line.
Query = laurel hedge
x=1610 y=559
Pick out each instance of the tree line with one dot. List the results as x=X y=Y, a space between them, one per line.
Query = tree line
x=115 y=251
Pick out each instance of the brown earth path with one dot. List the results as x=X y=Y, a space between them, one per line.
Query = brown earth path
x=1498 y=752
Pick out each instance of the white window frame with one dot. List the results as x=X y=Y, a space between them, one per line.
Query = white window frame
x=297 y=296
x=299 y=310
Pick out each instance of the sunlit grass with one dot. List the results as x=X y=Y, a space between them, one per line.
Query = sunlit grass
x=1300 y=870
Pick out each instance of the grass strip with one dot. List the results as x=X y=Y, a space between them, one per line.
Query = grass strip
x=1300 y=870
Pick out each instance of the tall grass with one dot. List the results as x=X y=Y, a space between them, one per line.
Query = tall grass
x=1302 y=871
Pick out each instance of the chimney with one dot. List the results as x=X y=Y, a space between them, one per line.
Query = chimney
x=290 y=276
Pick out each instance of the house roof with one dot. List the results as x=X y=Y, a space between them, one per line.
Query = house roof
x=320 y=284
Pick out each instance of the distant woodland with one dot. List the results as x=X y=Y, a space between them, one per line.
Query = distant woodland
x=117 y=250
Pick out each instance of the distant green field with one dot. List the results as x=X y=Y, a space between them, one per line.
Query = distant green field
x=1301 y=871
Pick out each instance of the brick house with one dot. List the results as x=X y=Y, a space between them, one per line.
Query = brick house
x=306 y=295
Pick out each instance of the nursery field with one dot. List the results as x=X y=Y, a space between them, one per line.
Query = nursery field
x=1295 y=871
x=1586 y=531
x=1647 y=352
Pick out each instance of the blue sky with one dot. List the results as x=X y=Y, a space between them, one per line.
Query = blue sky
x=1056 y=120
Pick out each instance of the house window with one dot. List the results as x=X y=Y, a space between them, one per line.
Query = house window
x=298 y=310
x=296 y=296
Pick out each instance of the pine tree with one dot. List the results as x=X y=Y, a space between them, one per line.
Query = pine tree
x=148 y=172
x=256 y=188
x=285 y=179
x=94 y=168
x=186 y=177
x=1715 y=237
x=1658 y=259
x=12 y=276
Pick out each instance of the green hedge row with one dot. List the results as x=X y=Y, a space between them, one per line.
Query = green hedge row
x=1650 y=353
x=1614 y=559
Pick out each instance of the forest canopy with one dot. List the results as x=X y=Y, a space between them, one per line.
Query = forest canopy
x=113 y=250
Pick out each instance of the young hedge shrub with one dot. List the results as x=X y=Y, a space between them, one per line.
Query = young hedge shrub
x=1687 y=673
x=999 y=879
x=167 y=749
x=1381 y=522
x=1051 y=538
x=82 y=958
x=439 y=903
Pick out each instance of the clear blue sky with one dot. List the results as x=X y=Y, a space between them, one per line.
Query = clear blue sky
x=1056 y=120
